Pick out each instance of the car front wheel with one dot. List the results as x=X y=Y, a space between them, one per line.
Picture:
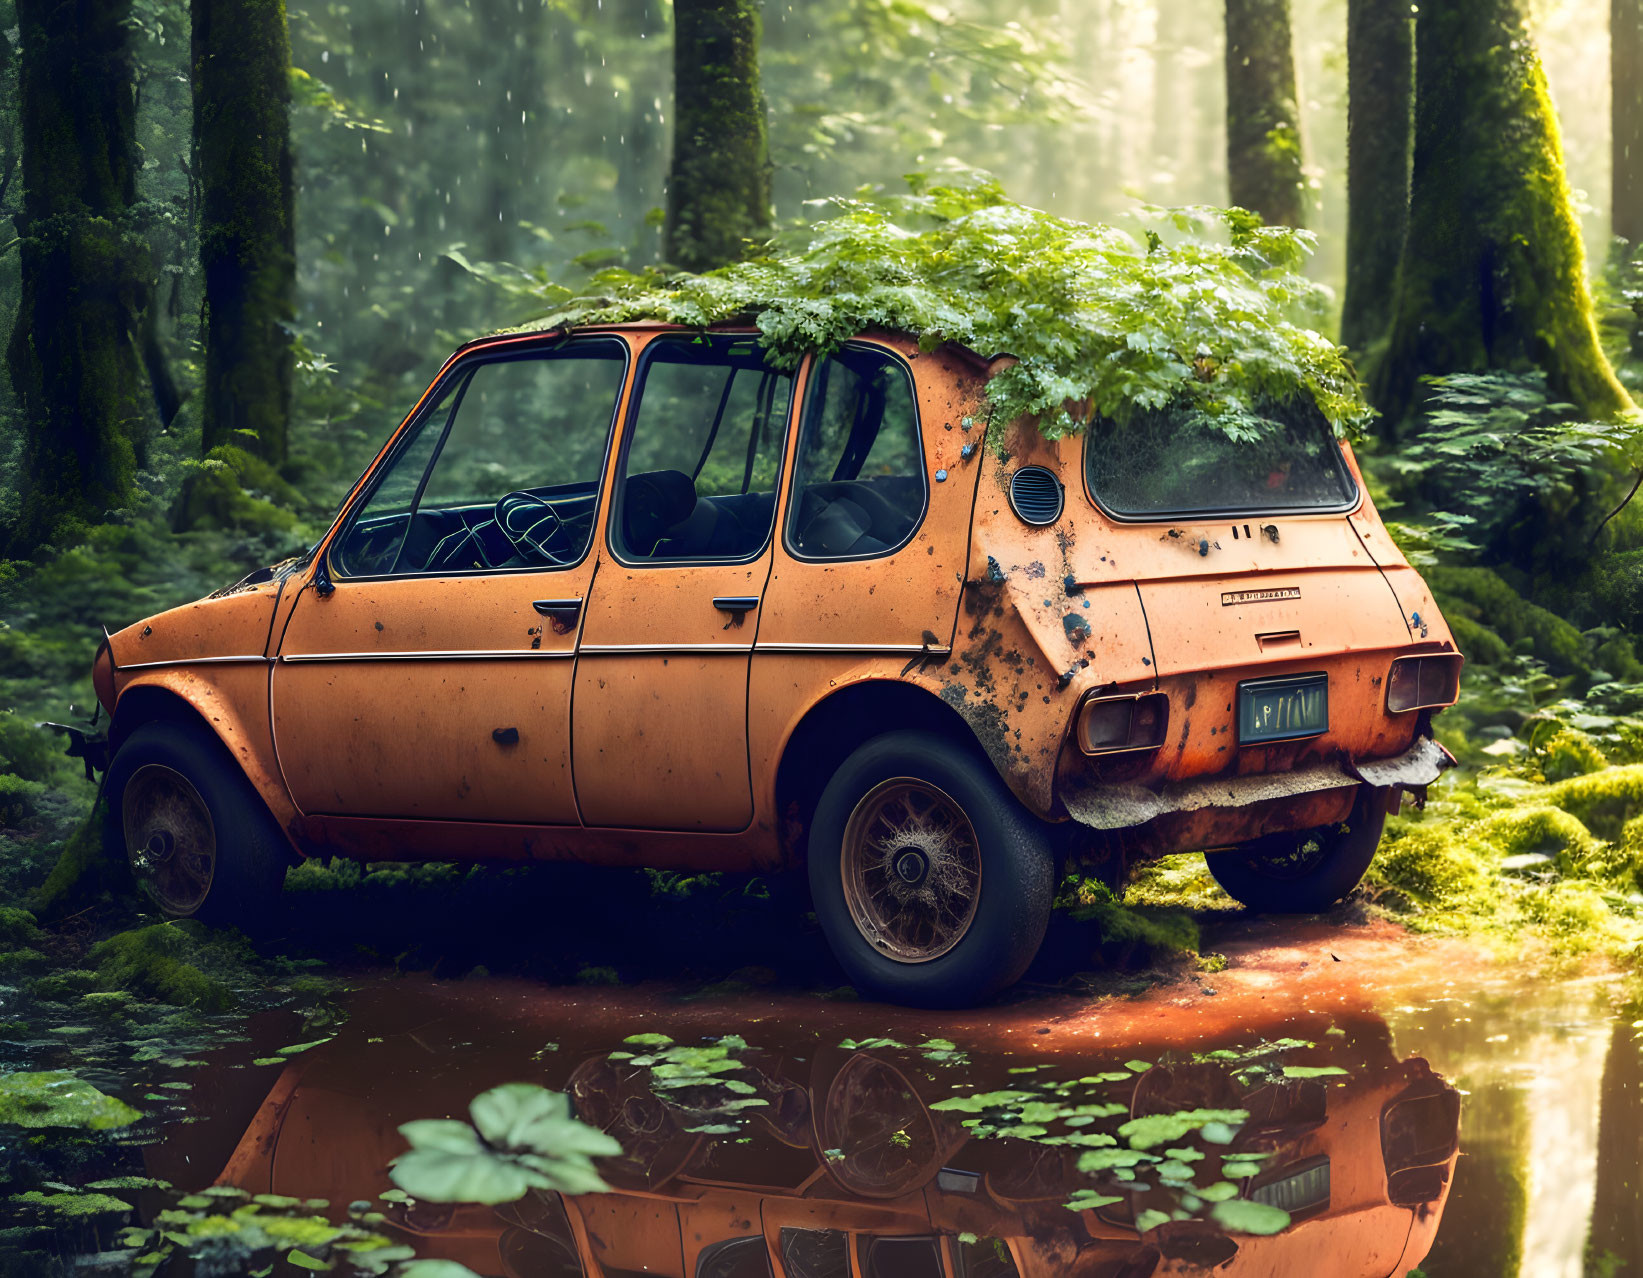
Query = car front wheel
x=198 y=837
x=931 y=881
x=1306 y=871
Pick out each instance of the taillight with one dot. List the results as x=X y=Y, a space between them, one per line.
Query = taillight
x=1423 y=683
x=1420 y=1129
x=1107 y=725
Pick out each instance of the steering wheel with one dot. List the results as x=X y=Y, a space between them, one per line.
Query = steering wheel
x=521 y=516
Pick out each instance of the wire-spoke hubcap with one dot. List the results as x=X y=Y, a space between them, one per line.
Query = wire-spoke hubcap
x=912 y=870
x=170 y=840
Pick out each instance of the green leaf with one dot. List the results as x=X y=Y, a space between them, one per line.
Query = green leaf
x=1240 y=1216
x=441 y=1135
x=435 y=1269
x=437 y=1176
x=1155 y=1129
x=1147 y=1221
x=1313 y=1071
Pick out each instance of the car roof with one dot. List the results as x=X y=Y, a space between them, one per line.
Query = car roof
x=664 y=326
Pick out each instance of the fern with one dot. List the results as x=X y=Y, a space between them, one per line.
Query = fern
x=1099 y=322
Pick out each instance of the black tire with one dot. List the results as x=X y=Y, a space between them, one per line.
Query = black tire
x=170 y=783
x=1008 y=902
x=1307 y=871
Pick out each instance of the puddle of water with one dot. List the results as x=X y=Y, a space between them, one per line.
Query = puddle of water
x=1401 y=1123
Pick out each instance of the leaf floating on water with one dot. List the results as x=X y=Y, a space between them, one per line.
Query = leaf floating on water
x=303 y=1047
x=1240 y=1216
x=1089 y=1200
x=436 y=1269
x=1155 y=1129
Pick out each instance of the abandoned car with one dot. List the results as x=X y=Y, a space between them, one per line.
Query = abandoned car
x=634 y=595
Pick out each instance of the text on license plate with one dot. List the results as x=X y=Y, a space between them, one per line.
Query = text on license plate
x=1283 y=709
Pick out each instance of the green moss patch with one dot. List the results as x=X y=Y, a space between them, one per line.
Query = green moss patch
x=169 y=962
x=85 y=873
x=54 y=1099
x=17 y=927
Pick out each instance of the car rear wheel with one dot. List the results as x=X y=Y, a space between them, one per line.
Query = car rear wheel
x=1305 y=871
x=931 y=881
x=199 y=840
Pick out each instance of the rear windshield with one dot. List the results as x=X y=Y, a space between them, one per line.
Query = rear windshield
x=1165 y=462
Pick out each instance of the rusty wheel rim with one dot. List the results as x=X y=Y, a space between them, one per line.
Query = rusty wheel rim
x=912 y=870
x=883 y=1140
x=170 y=840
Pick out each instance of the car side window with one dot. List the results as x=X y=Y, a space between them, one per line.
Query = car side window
x=697 y=480
x=858 y=480
x=500 y=471
x=815 y=1253
x=735 y=1258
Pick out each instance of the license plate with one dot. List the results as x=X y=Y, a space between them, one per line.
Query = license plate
x=1283 y=709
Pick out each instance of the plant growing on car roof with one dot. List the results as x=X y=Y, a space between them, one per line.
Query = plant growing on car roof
x=1100 y=323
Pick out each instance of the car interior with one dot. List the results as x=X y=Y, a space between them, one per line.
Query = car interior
x=697 y=480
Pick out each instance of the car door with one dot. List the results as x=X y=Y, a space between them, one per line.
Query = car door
x=660 y=714
x=434 y=679
x=875 y=535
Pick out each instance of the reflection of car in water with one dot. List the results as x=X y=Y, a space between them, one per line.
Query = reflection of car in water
x=859 y=1162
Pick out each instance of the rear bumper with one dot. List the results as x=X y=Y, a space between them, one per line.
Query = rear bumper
x=1208 y=811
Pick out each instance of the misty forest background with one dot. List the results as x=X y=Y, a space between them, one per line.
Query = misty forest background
x=236 y=240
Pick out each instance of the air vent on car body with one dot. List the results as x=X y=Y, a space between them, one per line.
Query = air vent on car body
x=1035 y=496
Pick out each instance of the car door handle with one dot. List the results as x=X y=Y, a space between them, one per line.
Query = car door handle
x=562 y=613
x=737 y=604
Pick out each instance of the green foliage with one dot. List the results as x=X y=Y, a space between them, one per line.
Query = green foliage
x=1494 y=465
x=55 y=1099
x=166 y=962
x=522 y=1137
x=86 y=870
x=226 y=1230
x=1099 y=323
x=700 y=1080
x=17 y=927
x=1482 y=596
x=1131 y=931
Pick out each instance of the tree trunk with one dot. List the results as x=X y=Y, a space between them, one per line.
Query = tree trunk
x=1263 y=119
x=1380 y=67
x=718 y=193
x=1493 y=274
x=242 y=141
x=1626 y=76
x=85 y=272
x=1617 y=1205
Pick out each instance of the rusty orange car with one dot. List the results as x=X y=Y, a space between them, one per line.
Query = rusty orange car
x=635 y=595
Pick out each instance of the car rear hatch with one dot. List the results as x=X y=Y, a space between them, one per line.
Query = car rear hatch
x=1256 y=598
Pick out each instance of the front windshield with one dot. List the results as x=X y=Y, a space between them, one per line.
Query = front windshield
x=1167 y=462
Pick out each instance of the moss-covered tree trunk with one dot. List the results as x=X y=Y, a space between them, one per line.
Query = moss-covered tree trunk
x=1380 y=70
x=242 y=144
x=1263 y=118
x=718 y=190
x=1493 y=274
x=1626 y=77
x=86 y=278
